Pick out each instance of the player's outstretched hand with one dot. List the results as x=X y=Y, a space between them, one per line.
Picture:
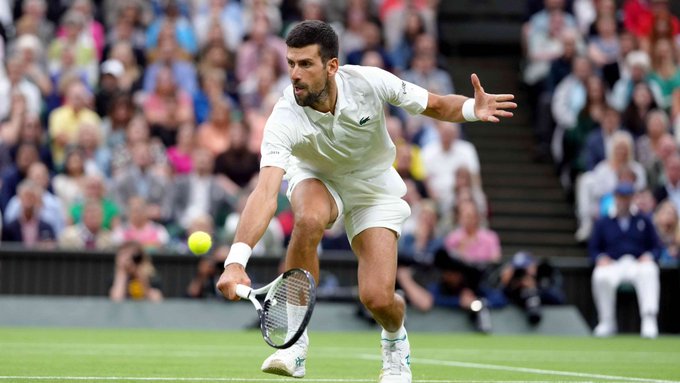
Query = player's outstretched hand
x=233 y=274
x=489 y=107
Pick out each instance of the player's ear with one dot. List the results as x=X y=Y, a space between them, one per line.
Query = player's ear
x=333 y=65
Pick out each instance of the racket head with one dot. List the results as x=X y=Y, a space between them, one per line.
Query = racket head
x=287 y=308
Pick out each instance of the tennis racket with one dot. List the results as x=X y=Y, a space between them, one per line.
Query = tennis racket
x=287 y=307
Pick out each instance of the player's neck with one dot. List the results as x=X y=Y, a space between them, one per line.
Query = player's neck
x=327 y=104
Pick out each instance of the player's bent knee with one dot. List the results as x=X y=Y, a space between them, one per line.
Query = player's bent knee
x=377 y=302
x=310 y=222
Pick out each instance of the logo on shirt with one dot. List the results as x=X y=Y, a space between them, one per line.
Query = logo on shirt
x=403 y=87
x=364 y=120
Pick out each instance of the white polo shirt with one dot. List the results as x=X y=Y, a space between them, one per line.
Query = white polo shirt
x=354 y=140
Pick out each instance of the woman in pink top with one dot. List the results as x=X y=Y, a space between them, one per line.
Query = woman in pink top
x=140 y=228
x=473 y=243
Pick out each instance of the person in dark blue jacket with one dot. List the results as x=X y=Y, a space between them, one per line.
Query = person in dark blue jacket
x=622 y=247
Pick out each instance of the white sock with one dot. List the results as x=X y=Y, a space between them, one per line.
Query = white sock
x=295 y=316
x=389 y=335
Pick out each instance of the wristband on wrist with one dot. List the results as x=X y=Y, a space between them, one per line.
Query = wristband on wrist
x=469 y=110
x=238 y=253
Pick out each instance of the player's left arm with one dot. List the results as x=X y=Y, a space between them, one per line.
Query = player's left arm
x=487 y=107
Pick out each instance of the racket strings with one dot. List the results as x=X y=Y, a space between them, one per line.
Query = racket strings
x=286 y=307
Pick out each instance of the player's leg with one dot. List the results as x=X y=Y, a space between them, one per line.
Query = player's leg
x=376 y=249
x=314 y=207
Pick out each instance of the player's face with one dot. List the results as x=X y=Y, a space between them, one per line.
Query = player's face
x=309 y=75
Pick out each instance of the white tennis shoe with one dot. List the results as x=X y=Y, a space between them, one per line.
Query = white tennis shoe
x=289 y=361
x=396 y=354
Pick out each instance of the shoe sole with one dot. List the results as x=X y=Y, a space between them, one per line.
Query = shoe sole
x=278 y=368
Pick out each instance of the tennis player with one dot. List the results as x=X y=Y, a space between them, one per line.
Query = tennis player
x=327 y=137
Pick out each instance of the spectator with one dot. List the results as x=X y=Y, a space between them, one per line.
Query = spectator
x=51 y=209
x=169 y=55
x=140 y=228
x=130 y=79
x=648 y=147
x=140 y=181
x=10 y=127
x=14 y=80
x=199 y=192
x=228 y=14
x=592 y=186
x=84 y=52
x=211 y=92
x=69 y=184
x=89 y=234
x=638 y=66
x=134 y=275
x=97 y=156
x=261 y=38
x=443 y=157
x=34 y=12
x=604 y=48
x=26 y=155
x=470 y=242
x=671 y=187
x=665 y=71
x=94 y=189
x=372 y=35
x=137 y=131
x=214 y=134
x=622 y=248
x=420 y=245
x=176 y=22
x=93 y=30
x=167 y=107
x=667 y=226
x=424 y=72
x=117 y=117
x=179 y=156
x=402 y=51
x=467 y=189
x=567 y=102
x=636 y=115
x=65 y=121
x=237 y=167
x=28 y=228
x=598 y=141
x=110 y=73
x=459 y=286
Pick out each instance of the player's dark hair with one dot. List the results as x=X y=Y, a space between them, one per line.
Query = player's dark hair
x=312 y=32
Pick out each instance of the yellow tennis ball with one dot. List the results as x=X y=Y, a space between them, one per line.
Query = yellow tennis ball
x=199 y=242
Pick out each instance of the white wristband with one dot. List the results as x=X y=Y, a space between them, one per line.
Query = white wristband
x=469 y=110
x=238 y=253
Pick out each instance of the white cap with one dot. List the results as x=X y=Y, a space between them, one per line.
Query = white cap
x=112 y=67
x=638 y=58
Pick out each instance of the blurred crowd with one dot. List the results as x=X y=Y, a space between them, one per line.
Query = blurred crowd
x=605 y=82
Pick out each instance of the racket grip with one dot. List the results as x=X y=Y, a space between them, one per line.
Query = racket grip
x=243 y=291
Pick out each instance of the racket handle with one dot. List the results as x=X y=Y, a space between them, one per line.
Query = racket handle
x=243 y=291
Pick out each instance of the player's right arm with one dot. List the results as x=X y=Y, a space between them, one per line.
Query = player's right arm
x=259 y=210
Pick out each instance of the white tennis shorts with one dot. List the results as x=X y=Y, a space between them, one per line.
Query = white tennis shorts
x=364 y=202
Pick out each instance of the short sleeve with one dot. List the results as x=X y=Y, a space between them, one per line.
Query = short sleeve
x=277 y=143
x=396 y=91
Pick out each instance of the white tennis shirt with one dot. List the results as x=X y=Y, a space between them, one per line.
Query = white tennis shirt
x=353 y=140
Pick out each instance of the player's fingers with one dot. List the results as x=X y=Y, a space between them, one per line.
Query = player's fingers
x=506 y=105
x=476 y=83
x=504 y=97
x=492 y=118
x=503 y=113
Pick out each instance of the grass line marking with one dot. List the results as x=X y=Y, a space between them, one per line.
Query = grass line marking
x=485 y=366
x=195 y=379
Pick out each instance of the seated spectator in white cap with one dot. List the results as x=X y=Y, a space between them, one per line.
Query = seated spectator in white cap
x=622 y=246
x=110 y=73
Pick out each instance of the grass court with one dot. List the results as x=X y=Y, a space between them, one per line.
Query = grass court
x=97 y=355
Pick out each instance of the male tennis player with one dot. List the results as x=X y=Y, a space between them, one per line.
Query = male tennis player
x=327 y=136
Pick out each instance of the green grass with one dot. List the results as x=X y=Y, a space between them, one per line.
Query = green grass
x=96 y=355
